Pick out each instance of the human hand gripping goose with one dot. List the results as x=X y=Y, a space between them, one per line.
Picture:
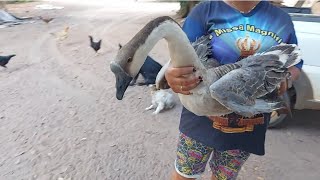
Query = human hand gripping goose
x=240 y=87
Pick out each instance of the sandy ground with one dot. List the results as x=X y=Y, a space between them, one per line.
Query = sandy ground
x=59 y=117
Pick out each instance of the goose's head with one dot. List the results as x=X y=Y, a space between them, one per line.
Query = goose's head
x=124 y=70
x=122 y=79
x=132 y=55
x=127 y=64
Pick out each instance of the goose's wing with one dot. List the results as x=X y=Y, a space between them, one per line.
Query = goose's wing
x=247 y=83
x=258 y=75
x=239 y=90
x=203 y=49
x=204 y=54
x=278 y=58
x=239 y=85
x=204 y=40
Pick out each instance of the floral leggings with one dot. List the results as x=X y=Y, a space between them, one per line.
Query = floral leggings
x=192 y=158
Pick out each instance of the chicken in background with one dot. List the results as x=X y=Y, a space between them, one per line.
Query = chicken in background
x=95 y=45
x=63 y=34
x=46 y=19
x=161 y=99
x=5 y=59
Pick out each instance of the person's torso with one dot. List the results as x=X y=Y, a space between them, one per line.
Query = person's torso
x=237 y=35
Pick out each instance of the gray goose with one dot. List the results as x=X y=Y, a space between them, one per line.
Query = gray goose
x=238 y=87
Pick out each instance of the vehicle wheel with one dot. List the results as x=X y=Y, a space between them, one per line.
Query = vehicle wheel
x=277 y=120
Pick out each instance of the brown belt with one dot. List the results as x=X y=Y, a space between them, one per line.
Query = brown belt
x=235 y=124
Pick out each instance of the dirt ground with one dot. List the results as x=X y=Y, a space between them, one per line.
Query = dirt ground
x=59 y=118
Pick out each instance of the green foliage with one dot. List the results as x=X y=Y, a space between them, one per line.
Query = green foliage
x=185 y=7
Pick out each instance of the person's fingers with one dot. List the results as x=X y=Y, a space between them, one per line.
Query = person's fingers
x=185 y=81
x=190 y=86
x=178 y=90
x=181 y=79
x=283 y=87
x=185 y=92
x=185 y=89
x=177 y=72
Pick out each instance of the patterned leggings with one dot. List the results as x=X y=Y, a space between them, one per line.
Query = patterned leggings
x=192 y=158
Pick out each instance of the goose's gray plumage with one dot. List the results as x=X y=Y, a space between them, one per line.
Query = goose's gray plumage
x=238 y=87
x=243 y=88
x=203 y=48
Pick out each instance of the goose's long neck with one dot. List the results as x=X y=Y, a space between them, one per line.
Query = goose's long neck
x=181 y=51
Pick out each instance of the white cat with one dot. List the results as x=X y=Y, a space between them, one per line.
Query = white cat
x=161 y=99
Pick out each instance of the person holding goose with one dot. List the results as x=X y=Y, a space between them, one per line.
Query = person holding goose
x=239 y=29
x=226 y=64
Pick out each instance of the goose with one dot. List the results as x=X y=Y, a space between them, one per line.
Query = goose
x=239 y=87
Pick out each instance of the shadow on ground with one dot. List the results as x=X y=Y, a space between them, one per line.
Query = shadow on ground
x=304 y=119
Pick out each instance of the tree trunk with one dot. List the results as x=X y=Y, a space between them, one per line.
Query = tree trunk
x=277 y=2
x=3 y=5
x=185 y=8
x=315 y=8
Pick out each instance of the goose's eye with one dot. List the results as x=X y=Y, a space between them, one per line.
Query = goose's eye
x=129 y=59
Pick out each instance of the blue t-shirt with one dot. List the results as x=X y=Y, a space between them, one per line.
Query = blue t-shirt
x=235 y=35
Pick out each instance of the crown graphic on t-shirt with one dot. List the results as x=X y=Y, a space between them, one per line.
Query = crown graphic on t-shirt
x=247 y=46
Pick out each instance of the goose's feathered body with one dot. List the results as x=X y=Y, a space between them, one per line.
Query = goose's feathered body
x=243 y=86
x=200 y=102
x=225 y=88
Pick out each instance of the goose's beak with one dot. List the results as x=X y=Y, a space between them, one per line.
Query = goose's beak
x=122 y=80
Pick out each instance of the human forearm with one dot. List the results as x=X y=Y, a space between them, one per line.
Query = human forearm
x=295 y=73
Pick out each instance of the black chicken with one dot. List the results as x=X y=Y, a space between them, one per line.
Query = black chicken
x=95 y=45
x=5 y=59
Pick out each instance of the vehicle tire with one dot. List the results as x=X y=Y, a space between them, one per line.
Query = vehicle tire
x=279 y=120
